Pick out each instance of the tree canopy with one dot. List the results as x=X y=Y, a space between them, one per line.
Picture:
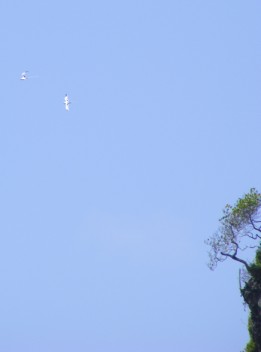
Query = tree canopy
x=240 y=227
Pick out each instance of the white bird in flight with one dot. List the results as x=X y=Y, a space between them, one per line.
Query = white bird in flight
x=66 y=102
x=24 y=75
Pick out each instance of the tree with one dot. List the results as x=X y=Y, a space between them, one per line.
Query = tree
x=240 y=230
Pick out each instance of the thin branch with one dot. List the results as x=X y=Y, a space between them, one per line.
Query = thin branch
x=247 y=247
x=254 y=226
x=254 y=236
x=234 y=257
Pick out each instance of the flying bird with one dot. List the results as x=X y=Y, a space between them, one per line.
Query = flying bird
x=66 y=102
x=24 y=76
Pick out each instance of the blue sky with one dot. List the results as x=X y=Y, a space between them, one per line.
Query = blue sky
x=105 y=209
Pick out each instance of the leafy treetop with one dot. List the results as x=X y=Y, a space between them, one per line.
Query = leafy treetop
x=240 y=226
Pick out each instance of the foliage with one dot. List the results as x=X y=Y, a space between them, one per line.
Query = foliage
x=239 y=228
x=251 y=346
x=252 y=296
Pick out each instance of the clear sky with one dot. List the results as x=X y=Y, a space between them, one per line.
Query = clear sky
x=105 y=208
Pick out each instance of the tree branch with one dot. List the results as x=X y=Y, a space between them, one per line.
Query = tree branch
x=254 y=226
x=234 y=257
